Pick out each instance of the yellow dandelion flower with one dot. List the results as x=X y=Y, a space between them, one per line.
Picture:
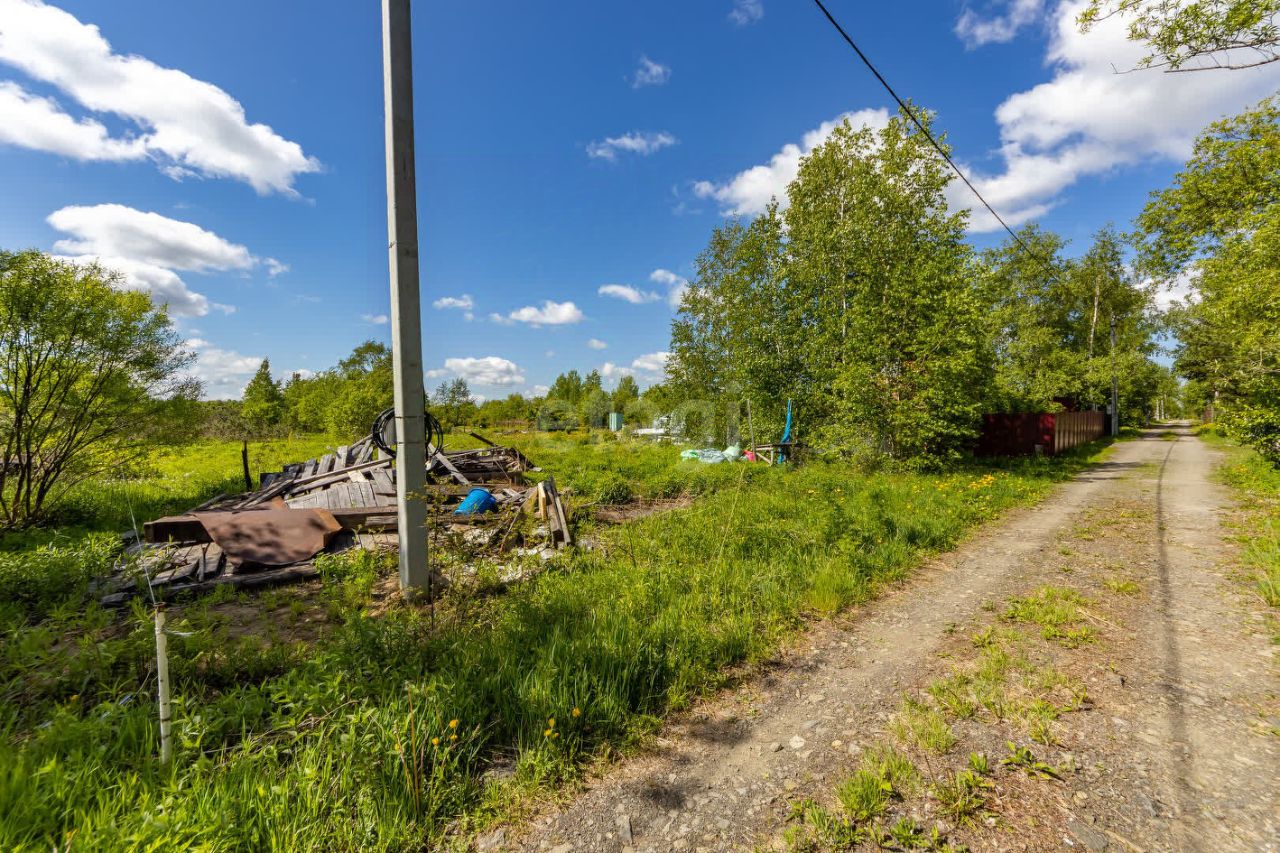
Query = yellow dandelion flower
x=551 y=722
x=546 y=733
x=453 y=724
x=453 y=737
x=435 y=741
x=577 y=712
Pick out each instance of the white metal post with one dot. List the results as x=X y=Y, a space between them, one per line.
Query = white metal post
x=406 y=309
x=162 y=684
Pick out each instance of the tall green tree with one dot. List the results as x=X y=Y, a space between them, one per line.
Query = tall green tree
x=627 y=392
x=366 y=387
x=884 y=271
x=857 y=303
x=567 y=388
x=1049 y=325
x=1216 y=229
x=90 y=375
x=452 y=402
x=594 y=409
x=262 y=404
x=1030 y=311
x=741 y=334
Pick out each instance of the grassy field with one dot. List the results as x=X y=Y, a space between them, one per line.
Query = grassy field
x=1256 y=485
x=596 y=467
x=386 y=726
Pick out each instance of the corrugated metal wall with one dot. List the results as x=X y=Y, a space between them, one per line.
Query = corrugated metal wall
x=1027 y=434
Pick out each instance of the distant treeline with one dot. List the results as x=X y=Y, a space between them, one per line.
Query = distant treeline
x=344 y=400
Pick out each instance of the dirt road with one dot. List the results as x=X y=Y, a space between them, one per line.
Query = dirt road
x=1170 y=742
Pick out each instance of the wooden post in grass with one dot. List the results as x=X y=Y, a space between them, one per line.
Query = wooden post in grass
x=162 y=680
x=244 y=459
x=406 y=308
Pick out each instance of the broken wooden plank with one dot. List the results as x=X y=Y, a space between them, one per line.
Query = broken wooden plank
x=367 y=495
x=444 y=462
x=187 y=528
x=557 y=521
x=250 y=580
x=321 y=480
x=382 y=484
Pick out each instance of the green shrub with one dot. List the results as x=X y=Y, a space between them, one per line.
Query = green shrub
x=38 y=579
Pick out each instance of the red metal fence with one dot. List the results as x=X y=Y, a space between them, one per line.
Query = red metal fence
x=1026 y=434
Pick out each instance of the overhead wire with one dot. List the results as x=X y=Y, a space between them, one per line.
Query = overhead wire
x=911 y=114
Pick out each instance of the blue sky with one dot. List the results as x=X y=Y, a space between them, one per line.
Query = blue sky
x=573 y=157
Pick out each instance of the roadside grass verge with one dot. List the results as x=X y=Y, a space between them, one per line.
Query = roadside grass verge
x=1256 y=485
x=401 y=724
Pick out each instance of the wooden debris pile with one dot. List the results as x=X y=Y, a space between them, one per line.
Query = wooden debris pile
x=346 y=498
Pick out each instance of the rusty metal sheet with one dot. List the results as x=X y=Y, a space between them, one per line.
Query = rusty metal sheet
x=270 y=537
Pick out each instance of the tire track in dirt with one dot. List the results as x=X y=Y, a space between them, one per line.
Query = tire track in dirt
x=721 y=777
x=1217 y=677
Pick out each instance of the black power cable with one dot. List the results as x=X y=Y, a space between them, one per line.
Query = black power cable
x=435 y=432
x=912 y=115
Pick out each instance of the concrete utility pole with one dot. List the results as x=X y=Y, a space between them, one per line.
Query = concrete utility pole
x=1115 y=383
x=406 y=305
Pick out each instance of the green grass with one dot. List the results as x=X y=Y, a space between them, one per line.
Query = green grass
x=963 y=795
x=1256 y=484
x=169 y=480
x=883 y=774
x=345 y=742
x=593 y=467
x=1056 y=610
x=1122 y=586
x=1023 y=758
x=923 y=727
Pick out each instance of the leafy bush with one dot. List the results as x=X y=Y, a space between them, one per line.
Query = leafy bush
x=38 y=579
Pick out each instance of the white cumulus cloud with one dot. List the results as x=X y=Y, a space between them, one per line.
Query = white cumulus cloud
x=375 y=319
x=113 y=229
x=147 y=248
x=627 y=293
x=487 y=370
x=650 y=73
x=549 y=314
x=746 y=12
x=596 y=343
x=223 y=372
x=463 y=302
x=30 y=121
x=651 y=367
x=654 y=362
x=975 y=29
x=750 y=191
x=1089 y=120
x=638 y=142
x=188 y=126
x=676 y=285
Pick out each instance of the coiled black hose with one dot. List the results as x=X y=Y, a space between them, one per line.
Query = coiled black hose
x=435 y=432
